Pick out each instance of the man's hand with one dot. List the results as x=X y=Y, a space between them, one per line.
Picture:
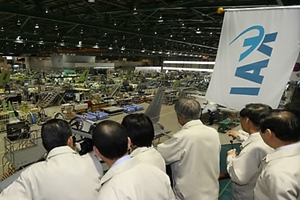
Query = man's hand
x=232 y=152
x=233 y=133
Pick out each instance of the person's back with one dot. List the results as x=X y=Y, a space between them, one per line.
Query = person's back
x=244 y=168
x=149 y=155
x=63 y=175
x=193 y=153
x=127 y=178
x=135 y=180
x=141 y=132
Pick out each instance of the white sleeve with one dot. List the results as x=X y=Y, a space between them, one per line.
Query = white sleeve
x=21 y=187
x=282 y=186
x=170 y=150
x=242 y=136
x=243 y=167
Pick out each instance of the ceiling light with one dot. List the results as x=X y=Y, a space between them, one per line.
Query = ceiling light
x=189 y=62
x=143 y=50
x=96 y=46
x=79 y=44
x=110 y=48
x=19 y=22
x=62 y=44
x=41 y=42
x=56 y=28
x=160 y=20
x=123 y=48
x=91 y=1
x=2 y=29
x=81 y=31
x=19 y=40
x=36 y=25
x=198 y=31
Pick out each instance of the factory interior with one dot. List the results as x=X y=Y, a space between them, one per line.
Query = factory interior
x=86 y=61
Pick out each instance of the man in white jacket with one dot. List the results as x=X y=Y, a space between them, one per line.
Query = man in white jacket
x=194 y=154
x=64 y=175
x=280 y=176
x=141 y=133
x=244 y=168
x=128 y=178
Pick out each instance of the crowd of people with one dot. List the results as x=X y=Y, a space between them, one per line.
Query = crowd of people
x=266 y=168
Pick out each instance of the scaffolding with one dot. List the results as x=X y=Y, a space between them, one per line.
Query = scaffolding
x=20 y=153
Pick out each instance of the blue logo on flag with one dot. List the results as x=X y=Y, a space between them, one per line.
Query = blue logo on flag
x=251 y=71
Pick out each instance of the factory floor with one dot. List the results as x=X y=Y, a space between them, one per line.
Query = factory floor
x=167 y=118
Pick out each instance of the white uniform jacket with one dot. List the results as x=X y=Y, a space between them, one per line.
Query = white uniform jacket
x=65 y=175
x=134 y=180
x=245 y=168
x=280 y=176
x=194 y=155
x=150 y=156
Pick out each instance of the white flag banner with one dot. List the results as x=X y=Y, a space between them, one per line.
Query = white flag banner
x=257 y=52
x=296 y=72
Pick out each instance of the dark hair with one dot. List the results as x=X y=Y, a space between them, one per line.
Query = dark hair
x=110 y=138
x=55 y=133
x=139 y=128
x=284 y=124
x=255 y=112
x=188 y=108
x=293 y=107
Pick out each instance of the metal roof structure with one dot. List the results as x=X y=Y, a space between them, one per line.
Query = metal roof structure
x=146 y=28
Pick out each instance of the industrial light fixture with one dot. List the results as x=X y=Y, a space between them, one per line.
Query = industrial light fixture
x=79 y=44
x=91 y=1
x=123 y=48
x=110 y=48
x=188 y=69
x=81 y=31
x=96 y=46
x=19 y=22
x=189 y=62
x=41 y=42
x=56 y=28
x=19 y=40
x=2 y=29
x=134 y=11
x=36 y=25
x=198 y=31
x=160 y=20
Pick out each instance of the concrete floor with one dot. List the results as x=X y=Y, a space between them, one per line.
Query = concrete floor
x=167 y=118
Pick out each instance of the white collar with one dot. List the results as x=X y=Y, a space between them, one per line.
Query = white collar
x=288 y=146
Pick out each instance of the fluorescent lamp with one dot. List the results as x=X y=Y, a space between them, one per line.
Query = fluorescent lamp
x=188 y=69
x=148 y=68
x=104 y=67
x=189 y=62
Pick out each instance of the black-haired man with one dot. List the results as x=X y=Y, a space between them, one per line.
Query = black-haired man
x=64 y=175
x=127 y=178
x=280 y=176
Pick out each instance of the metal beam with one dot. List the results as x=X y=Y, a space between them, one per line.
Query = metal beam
x=65 y=19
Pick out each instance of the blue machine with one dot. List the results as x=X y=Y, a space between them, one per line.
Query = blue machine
x=88 y=116
x=132 y=108
x=99 y=115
